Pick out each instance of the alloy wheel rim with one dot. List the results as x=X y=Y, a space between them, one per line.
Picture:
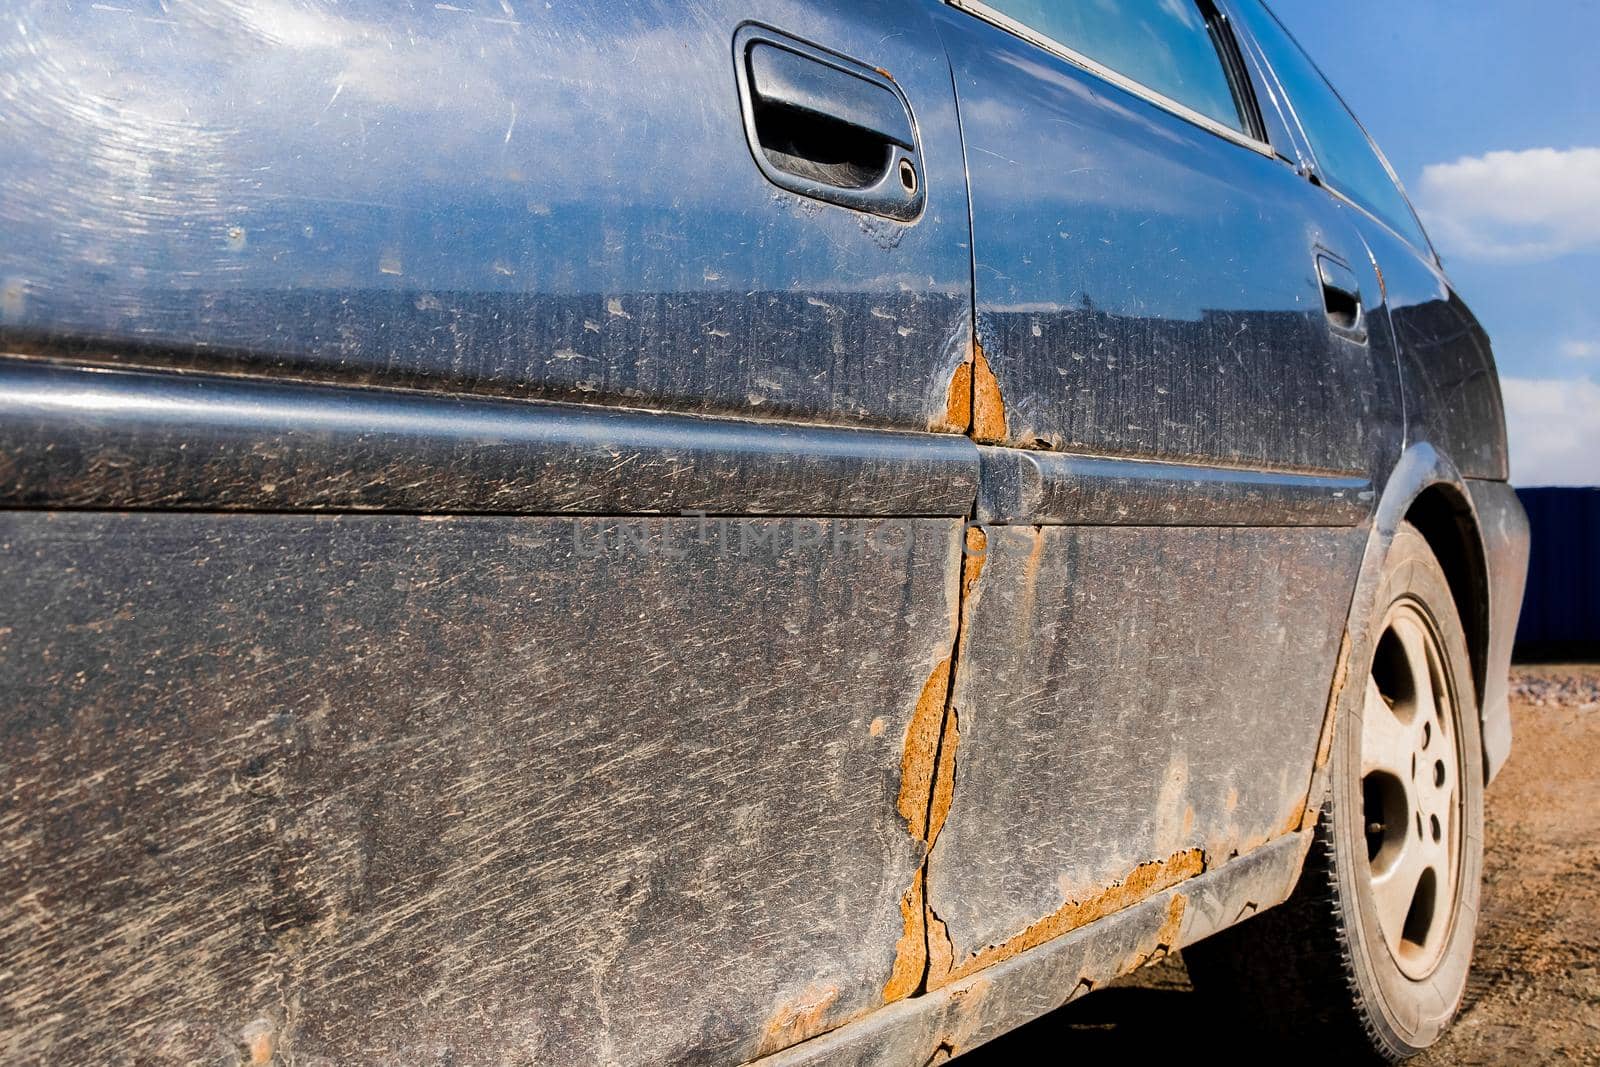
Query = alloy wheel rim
x=1411 y=790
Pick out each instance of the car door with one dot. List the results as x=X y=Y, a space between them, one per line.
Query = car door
x=1452 y=387
x=1191 y=414
x=365 y=693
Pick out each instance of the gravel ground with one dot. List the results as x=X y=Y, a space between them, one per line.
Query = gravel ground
x=1534 y=994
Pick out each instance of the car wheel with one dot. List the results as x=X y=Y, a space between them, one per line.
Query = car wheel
x=1370 y=955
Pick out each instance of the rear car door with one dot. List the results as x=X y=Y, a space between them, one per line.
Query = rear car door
x=1453 y=397
x=367 y=695
x=1191 y=413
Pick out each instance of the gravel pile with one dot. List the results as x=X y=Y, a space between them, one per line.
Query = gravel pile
x=1556 y=690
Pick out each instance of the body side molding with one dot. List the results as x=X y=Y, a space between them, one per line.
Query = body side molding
x=1056 y=488
x=93 y=438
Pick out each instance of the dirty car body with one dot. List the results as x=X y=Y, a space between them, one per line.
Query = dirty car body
x=678 y=532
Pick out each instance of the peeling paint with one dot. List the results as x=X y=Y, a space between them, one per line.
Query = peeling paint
x=1341 y=676
x=941 y=950
x=972 y=563
x=958 y=401
x=910 y=951
x=918 y=762
x=944 y=779
x=1313 y=805
x=988 y=407
x=1162 y=942
x=973 y=403
x=1142 y=882
x=1167 y=936
x=921 y=765
x=258 y=1042
x=927 y=789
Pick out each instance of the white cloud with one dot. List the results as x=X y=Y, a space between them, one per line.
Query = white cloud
x=1580 y=349
x=1554 y=427
x=1536 y=204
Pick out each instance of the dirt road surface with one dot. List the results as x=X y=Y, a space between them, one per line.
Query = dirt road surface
x=1534 y=994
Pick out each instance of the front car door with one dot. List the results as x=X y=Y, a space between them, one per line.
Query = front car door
x=366 y=694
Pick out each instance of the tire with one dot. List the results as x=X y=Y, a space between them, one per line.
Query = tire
x=1349 y=966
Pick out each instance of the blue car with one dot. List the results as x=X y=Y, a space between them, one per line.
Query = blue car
x=707 y=532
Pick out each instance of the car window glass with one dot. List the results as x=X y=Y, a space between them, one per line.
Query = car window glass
x=1166 y=45
x=1346 y=157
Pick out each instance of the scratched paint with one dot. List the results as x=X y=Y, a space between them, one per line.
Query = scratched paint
x=392 y=786
x=506 y=198
x=1126 y=695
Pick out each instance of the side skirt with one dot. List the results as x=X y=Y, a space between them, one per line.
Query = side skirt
x=959 y=1017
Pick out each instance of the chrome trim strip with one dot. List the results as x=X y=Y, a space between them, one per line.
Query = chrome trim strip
x=1058 y=488
x=80 y=437
x=983 y=11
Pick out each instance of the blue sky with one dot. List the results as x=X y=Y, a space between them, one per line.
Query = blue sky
x=1488 y=112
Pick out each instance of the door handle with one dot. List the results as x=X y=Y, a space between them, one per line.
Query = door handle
x=1341 y=296
x=819 y=91
x=828 y=127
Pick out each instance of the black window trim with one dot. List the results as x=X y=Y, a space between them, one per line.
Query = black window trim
x=1220 y=26
x=1310 y=164
x=1248 y=105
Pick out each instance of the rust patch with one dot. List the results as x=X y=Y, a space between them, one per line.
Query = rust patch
x=1163 y=941
x=941 y=950
x=793 y=1023
x=944 y=778
x=988 y=407
x=927 y=785
x=967 y=1014
x=927 y=789
x=1341 y=677
x=958 y=401
x=258 y=1042
x=876 y=727
x=918 y=759
x=972 y=561
x=1142 y=882
x=972 y=403
x=911 y=951
x=1167 y=936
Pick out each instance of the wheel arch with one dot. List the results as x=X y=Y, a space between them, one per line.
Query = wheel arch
x=1443 y=513
x=1479 y=534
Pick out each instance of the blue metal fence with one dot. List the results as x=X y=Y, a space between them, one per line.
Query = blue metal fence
x=1562 y=604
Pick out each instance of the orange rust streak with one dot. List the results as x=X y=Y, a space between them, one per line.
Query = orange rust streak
x=972 y=562
x=910 y=952
x=944 y=778
x=917 y=760
x=941 y=950
x=1142 y=882
x=261 y=1048
x=958 y=401
x=1167 y=936
x=1341 y=677
x=791 y=1024
x=988 y=407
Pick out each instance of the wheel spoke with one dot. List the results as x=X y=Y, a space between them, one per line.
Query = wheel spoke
x=1394 y=890
x=1415 y=642
x=1411 y=785
x=1386 y=743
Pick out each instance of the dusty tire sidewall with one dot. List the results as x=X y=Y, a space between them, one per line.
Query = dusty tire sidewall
x=1408 y=1015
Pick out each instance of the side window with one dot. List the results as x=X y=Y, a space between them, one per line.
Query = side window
x=1171 y=46
x=1347 y=158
